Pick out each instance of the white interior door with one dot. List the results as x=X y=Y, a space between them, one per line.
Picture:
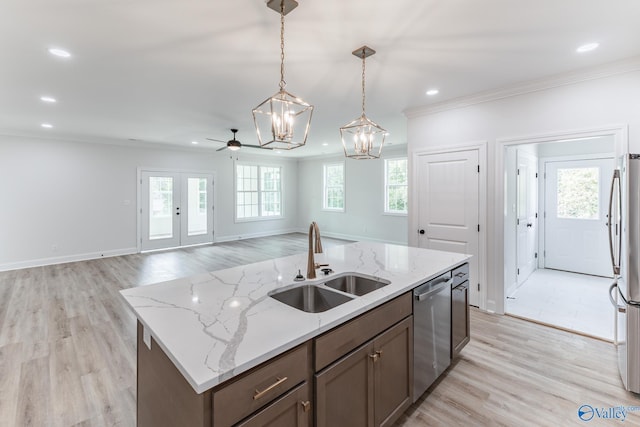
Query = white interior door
x=527 y=217
x=448 y=204
x=576 y=202
x=176 y=209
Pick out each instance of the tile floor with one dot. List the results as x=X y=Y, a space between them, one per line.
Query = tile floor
x=576 y=302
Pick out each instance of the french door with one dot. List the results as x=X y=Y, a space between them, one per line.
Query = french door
x=176 y=209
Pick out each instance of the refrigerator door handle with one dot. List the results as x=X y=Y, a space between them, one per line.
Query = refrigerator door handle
x=611 y=288
x=620 y=308
x=616 y=177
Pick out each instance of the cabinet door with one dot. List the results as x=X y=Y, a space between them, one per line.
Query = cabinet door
x=393 y=372
x=344 y=391
x=460 y=334
x=291 y=410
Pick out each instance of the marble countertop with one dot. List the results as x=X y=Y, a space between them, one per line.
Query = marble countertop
x=217 y=325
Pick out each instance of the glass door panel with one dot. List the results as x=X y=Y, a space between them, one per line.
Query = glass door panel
x=160 y=210
x=160 y=207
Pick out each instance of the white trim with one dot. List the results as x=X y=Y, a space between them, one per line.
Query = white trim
x=614 y=68
x=621 y=142
x=481 y=146
x=67 y=258
x=230 y=238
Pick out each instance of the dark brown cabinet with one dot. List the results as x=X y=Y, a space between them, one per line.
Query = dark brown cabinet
x=291 y=410
x=372 y=385
x=363 y=377
x=344 y=391
x=393 y=372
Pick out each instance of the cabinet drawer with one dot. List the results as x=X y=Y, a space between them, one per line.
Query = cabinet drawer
x=291 y=410
x=341 y=340
x=460 y=274
x=234 y=401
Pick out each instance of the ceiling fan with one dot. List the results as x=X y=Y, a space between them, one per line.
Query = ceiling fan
x=234 y=145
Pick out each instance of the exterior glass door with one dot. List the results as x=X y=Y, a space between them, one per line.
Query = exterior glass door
x=176 y=209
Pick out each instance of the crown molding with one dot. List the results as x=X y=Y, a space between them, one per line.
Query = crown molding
x=607 y=70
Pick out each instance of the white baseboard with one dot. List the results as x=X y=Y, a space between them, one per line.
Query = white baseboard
x=65 y=259
x=220 y=239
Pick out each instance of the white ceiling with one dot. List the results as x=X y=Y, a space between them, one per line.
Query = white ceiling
x=175 y=71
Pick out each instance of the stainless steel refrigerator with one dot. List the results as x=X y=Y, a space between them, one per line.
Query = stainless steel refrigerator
x=624 y=244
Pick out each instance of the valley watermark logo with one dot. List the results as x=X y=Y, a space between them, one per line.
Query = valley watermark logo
x=619 y=413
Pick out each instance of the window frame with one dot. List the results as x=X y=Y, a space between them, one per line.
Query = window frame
x=324 y=186
x=385 y=209
x=259 y=192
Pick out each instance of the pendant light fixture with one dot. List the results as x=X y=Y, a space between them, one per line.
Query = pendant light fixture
x=282 y=121
x=362 y=138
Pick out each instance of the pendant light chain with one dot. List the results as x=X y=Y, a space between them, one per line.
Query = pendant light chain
x=363 y=69
x=282 y=82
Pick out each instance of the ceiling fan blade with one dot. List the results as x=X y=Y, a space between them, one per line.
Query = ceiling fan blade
x=257 y=146
x=216 y=140
x=222 y=148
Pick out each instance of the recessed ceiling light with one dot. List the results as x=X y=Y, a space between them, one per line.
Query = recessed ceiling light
x=432 y=92
x=48 y=99
x=59 y=52
x=47 y=125
x=324 y=144
x=195 y=142
x=387 y=133
x=587 y=47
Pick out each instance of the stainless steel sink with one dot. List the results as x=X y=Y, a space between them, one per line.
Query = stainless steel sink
x=311 y=298
x=356 y=285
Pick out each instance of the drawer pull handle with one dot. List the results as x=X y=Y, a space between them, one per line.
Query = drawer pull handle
x=306 y=406
x=259 y=393
x=374 y=356
x=379 y=353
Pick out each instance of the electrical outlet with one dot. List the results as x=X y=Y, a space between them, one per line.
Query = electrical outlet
x=54 y=248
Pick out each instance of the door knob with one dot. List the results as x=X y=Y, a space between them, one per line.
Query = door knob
x=529 y=225
x=421 y=231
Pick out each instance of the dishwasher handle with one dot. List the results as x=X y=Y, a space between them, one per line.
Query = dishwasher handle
x=433 y=288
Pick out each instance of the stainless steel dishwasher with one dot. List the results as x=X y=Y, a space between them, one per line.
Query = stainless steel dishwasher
x=431 y=332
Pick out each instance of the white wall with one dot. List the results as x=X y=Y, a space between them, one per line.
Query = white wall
x=584 y=105
x=363 y=218
x=64 y=201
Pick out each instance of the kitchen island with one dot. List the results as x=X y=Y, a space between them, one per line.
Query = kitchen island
x=215 y=328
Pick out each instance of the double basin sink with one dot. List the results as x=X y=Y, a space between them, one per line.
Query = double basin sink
x=319 y=297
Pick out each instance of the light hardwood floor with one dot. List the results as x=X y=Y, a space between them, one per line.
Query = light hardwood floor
x=67 y=349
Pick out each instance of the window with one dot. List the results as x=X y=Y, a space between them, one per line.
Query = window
x=258 y=191
x=334 y=187
x=202 y=194
x=161 y=201
x=395 y=186
x=578 y=190
x=270 y=191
